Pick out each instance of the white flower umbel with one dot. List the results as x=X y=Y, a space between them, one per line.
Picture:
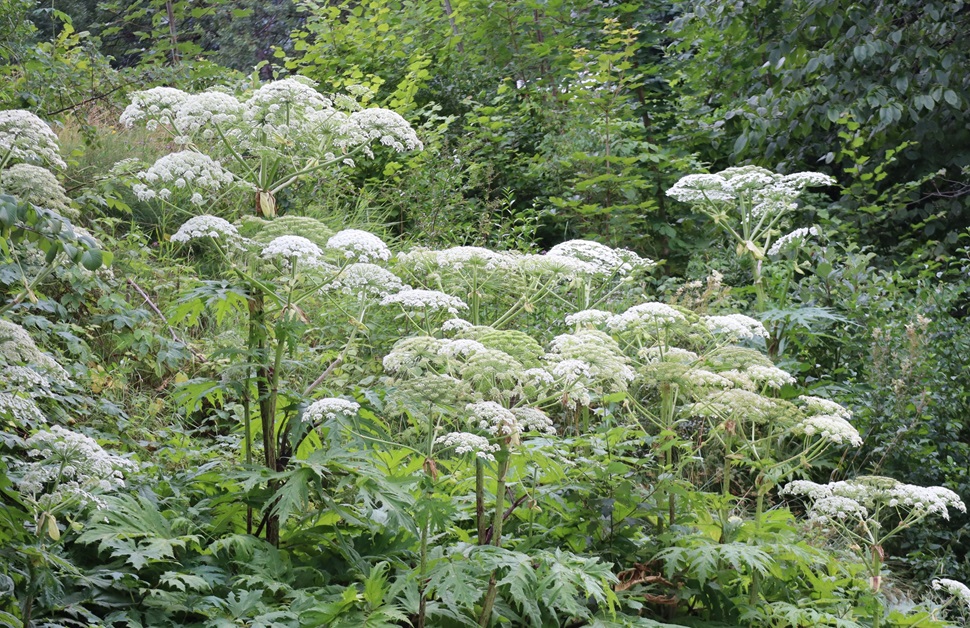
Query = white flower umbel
x=565 y=268
x=698 y=188
x=837 y=507
x=955 y=588
x=792 y=240
x=185 y=172
x=455 y=324
x=329 y=409
x=205 y=227
x=25 y=137
x=490 y=417
x=534 y=420
x=23 y=411
x=908 y=501
x=460 y=347
x=290 y=248
x=365 y=280
x=26 y=380
x=425 y=301
x=830 y=427
x=467 y=443
x=200 y=113
x=668 y=354
x=18 y=348
x=738 y=327
x=158 y=105
x=68 y=468
x=591 y=318
x=413 y=355
x=279 y=106
x=458 y=258
x=757 y=376
x=648 y=317
x=359 y=246
x=36 y=185
x=387 y=127
x=818 y=405
x=602 y=259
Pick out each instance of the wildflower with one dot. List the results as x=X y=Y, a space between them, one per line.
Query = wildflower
x=466 y=443
x=154 y=106
x=364 y=280
x=837 y=507
x=329 y=409
x=413 y=355
x=205 y=226
x=792 y=239
x=68 y=466
x=387 y=127
x=17 y=347
x=25 y=137
x=360 y=246
x=736 y=326
x=183 y=170
x=427 y=300
x=494 y=419
x=646 y=316
x=22 y=411
x=459 y=348
x=455 y=324
x=534 y=420
x=667 y=354
x=37 y=186
x=293 y=248
x=830 y=427
x=955 y=588
x=696 y=188
x=589 y=317
x=198 y=111
x=818 y=405
x=602 y=259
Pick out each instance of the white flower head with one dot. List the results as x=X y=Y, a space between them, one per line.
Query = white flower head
x=329 y=409
x=696 y=188
x=467 y=443
x=792 y=240
x=199 y=111
x=455 y=324
x=186 y=170
x=830 y=427
x=158 y=105
x=425 y=301
x=289 y=247
x=365 y=280
x=205 y=227
x=602 y=259
x=25 y=137
x=736 y=326
x=648 y=317
x=387 y=127
x=359 y=246
x=589 y=317
x=955 y=588
x=818 y=405
x=490 y=417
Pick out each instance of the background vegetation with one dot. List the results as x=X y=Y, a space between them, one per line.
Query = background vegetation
x=542 y=122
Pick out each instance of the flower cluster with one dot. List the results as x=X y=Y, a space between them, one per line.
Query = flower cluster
x=359 y=246
x=490 y=417
x=69 y=466
x=736 y=326
x=466 y=443
x=364 y=280
x=185 y=170
x=425 y=300
x=291 y=248
x=22 y=410
x=764 y=192
x=329 y=409
x=154 y=106
x=205 y=226
x=18 y=348
x=955 y=588
x=648 y=317
x=792 y=239
x=601 y=259
x=38 y=186
x=589 y=317
x=873 y=491
x=387 y=127
x=25 y=137
x=830 y=427
x=198 y=112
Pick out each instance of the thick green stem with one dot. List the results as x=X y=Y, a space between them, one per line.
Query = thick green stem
x=755 y=593
x=504 y=457
x=480 y=499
